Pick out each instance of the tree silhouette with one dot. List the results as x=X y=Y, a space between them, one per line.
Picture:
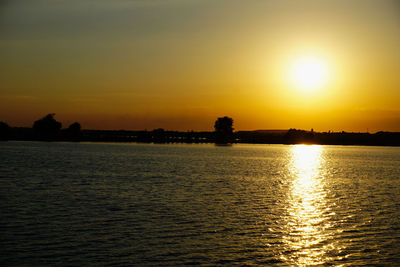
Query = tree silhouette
x=73 y=132
x=74 y=127
x=47 y=128
x=4 y=131
x=223 y=130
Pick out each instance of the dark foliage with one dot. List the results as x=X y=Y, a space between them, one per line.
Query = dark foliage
x=73 y=132
x=47 y=128
x=4 y=131
x=223 y=130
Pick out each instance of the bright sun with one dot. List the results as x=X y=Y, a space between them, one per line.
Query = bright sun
x=309 y=73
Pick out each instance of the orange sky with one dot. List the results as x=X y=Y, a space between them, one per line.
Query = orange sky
x=181 y=64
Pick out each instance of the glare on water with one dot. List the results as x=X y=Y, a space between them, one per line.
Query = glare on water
x=308 y=213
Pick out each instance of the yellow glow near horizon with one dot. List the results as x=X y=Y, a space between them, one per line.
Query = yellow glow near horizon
x=309 y=73
x=327 y=65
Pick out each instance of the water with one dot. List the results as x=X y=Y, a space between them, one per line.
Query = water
x=152 y=205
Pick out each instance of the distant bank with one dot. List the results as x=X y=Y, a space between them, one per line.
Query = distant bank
x=292 y=136
x=49 y=129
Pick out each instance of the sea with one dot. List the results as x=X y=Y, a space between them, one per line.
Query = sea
x=126 y=204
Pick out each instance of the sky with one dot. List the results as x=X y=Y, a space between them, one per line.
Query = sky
x=180 y=64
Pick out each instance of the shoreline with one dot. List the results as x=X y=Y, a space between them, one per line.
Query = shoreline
x=194 y=143
x=161 y=136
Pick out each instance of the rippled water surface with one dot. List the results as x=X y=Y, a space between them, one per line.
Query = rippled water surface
x=130 y=204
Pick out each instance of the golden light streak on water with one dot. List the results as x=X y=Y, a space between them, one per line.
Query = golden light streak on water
x=307 y=221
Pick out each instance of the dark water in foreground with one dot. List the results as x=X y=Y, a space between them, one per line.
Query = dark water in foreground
x=128 y=204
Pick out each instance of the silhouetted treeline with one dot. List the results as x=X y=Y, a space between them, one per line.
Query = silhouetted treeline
x=44 y=129
x=255 y=137
x=294 y=136
x=48 y=129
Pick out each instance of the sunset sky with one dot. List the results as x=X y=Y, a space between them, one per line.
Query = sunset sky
x=180 y=64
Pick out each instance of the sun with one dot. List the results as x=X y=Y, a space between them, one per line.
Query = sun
x=309 y=73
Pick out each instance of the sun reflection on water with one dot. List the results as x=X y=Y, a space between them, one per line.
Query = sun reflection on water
x=307 y=236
